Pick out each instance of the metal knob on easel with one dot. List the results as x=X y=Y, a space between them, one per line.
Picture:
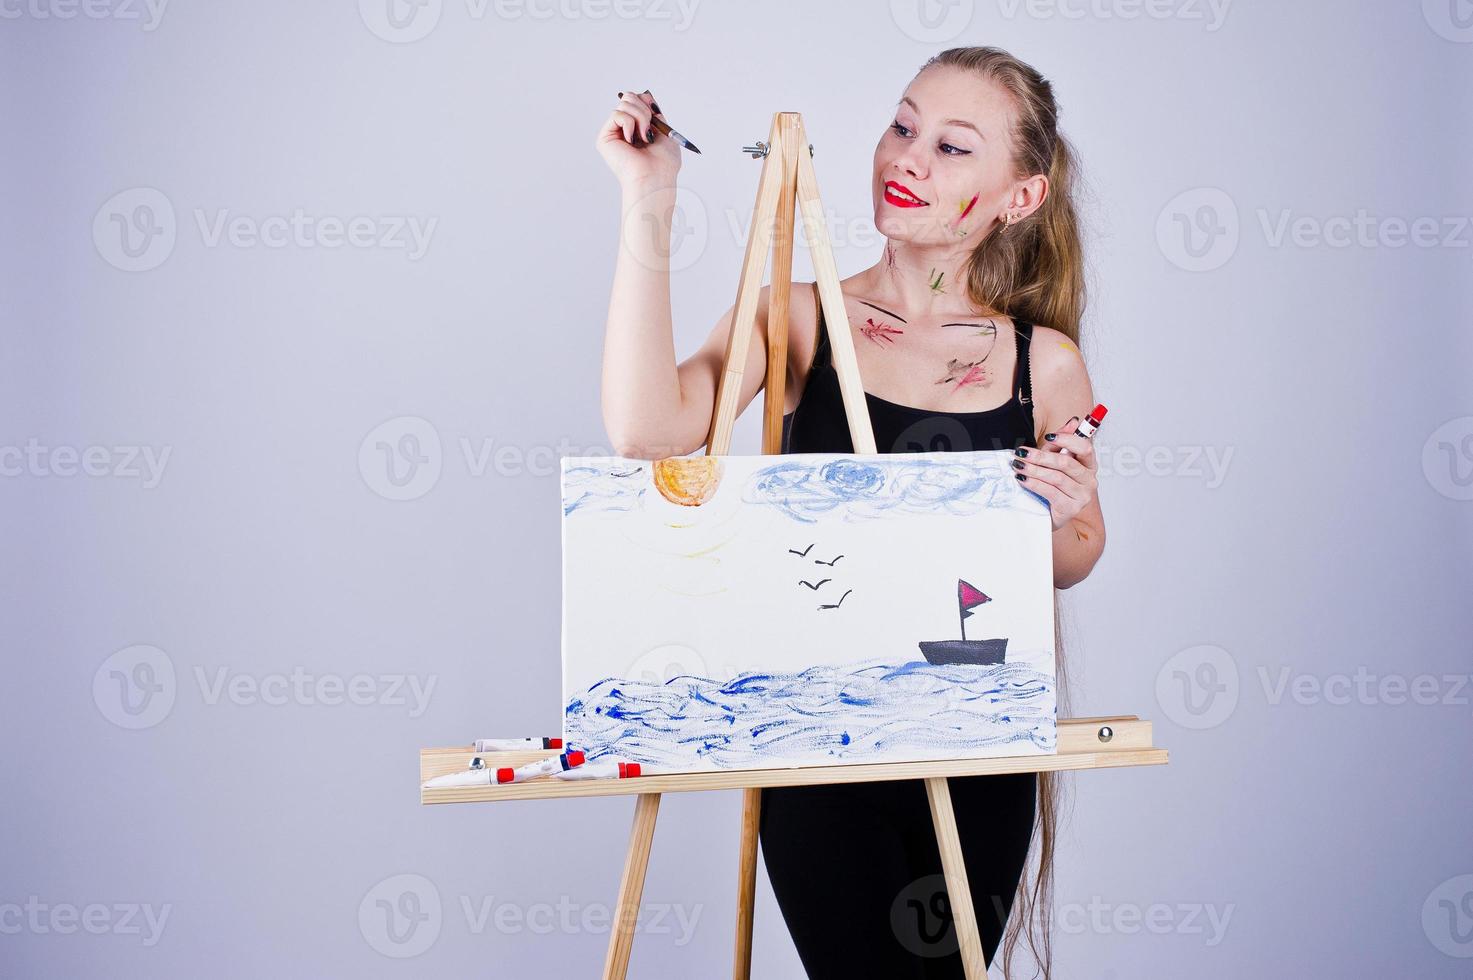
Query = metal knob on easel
x=760 y=149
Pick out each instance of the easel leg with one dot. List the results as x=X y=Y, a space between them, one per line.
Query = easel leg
x=746 y=883
x=963 y=915
x=631 y=886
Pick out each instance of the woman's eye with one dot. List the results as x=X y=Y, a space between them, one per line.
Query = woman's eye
x=902 y=131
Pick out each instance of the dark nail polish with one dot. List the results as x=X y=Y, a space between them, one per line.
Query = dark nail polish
x=1017 y=464
x=1020 y=477
x=649 y=135
x=621 y=95
x=1049 y=437
x=656 y=106
x=1020 y=451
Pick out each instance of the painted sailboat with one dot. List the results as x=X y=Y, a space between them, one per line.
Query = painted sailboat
x=965 y=651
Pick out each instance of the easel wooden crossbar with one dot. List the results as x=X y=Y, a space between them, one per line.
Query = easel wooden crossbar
x=788 y=186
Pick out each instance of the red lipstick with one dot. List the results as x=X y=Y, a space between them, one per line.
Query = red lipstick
x=891 y=187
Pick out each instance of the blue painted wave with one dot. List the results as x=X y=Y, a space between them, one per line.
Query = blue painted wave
x=805 y=489
x=618 y=487
x=850 y=712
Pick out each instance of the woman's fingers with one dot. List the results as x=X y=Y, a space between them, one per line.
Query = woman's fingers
x=1060 y=479
x=1039 y=461
x=648 y=98
x=1035 y=476
x=637 y=106
x=1070 y=444
x=626 y=123
x=1061 y=505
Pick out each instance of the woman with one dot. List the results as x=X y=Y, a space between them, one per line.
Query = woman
x=965 y=332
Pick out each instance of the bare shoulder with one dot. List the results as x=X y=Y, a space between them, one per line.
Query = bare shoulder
x=1056 y=359
x=1061 y=385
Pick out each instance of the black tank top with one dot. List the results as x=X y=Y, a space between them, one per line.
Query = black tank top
x=818 y=424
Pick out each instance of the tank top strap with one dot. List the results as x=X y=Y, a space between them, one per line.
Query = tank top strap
x=1022 y=374
x=821 y=352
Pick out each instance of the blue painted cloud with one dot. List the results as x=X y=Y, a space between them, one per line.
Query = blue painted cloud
x=806 y=489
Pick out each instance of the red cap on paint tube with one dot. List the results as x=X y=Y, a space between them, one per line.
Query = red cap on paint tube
x=542 y=767
x=1091 y=422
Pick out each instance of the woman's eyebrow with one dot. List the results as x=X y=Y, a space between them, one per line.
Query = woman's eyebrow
x=948 y=122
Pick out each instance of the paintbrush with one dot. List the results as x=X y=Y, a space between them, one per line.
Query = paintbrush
x=664 y=127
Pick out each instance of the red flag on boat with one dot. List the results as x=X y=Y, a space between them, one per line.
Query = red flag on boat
x=968 y=595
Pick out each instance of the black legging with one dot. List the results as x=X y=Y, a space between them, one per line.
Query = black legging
x=857 y=872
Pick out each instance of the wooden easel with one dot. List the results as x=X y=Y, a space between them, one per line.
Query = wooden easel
x=1083 y=743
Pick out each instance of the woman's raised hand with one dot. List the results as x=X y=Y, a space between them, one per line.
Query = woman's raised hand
x=635 y=151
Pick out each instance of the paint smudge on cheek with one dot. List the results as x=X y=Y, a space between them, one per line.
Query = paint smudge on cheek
x=966 y=209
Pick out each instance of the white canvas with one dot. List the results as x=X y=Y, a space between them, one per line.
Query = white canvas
x=756 y=612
